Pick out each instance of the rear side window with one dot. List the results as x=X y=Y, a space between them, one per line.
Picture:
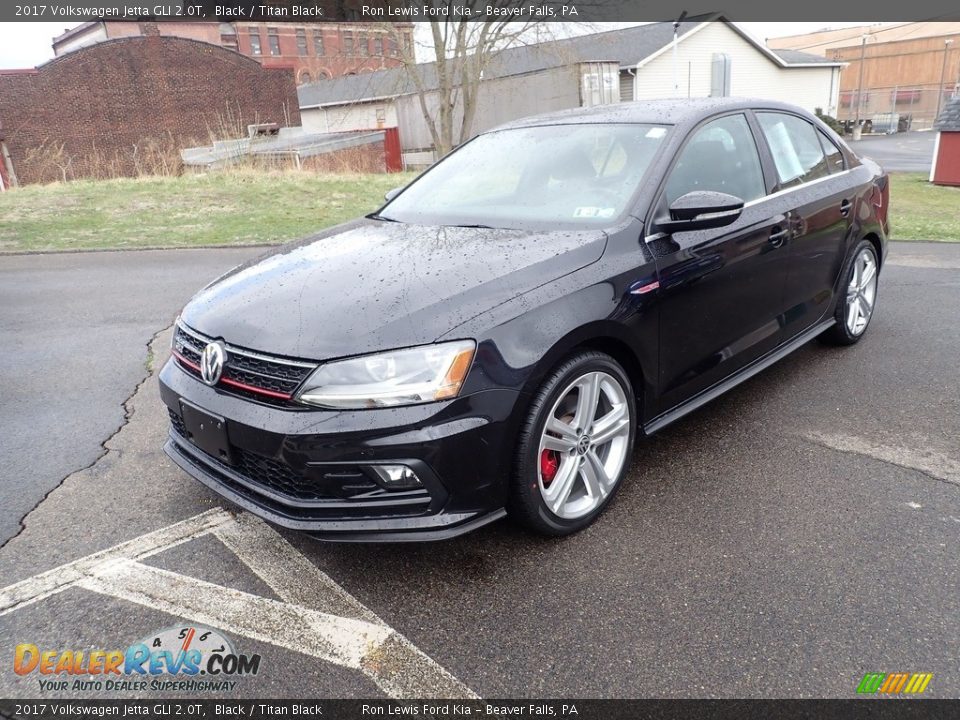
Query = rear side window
x=796 y=150
x=834 y=156
x=721 y=156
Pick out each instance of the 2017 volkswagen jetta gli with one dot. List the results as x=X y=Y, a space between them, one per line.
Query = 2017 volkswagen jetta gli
x=496 y=336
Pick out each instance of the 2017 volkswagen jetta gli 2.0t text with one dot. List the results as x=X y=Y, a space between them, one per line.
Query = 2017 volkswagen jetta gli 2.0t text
x=497 y=335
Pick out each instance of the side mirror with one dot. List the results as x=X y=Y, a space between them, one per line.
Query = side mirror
x=391 y=194
x=701 y=210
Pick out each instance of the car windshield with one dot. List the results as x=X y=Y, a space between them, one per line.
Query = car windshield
x=549 y=176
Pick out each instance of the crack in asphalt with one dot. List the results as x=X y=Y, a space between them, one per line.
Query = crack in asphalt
x=930 y=463
x=127 y=414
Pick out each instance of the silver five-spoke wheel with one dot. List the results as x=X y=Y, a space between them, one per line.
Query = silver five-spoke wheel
x=584 y=445
x=861 y=292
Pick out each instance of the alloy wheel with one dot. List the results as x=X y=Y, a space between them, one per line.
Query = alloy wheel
x=861 y=292
x=584 y=445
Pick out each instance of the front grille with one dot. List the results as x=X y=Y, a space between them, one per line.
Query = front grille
x=245 y=373
x=344 y=486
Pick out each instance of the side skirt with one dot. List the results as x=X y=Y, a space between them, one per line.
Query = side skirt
x=758 y=365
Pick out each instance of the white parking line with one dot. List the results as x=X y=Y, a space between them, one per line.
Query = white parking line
x=920 y=261
x=287 y=572
x=314 y=616
x=342 y=641
x=930 y=462
x=61 y=578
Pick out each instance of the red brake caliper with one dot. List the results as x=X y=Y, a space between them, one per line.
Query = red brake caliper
x=549 y=462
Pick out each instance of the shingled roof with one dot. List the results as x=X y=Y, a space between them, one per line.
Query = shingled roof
x=627 y=46
x=949 y=118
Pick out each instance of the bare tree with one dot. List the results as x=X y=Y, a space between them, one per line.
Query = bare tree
x=462 y=51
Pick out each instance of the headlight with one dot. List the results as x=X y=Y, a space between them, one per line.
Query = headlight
x=399 y=377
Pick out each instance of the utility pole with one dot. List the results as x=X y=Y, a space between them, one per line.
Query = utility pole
x=676 y=34
x=943 y=72
x=863 y=53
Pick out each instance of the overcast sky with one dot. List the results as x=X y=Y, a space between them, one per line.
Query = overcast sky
x=27 y=44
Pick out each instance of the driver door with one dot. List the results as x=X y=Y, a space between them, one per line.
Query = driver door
x=722 y=290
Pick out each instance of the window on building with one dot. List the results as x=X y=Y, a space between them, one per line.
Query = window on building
x=346 y=45
x=392 y=46
x=301 y=42
x=408 y=42
x=228 y=36
x=796 y=150
x=721 y=156
x=318 y=43
x=274 y=38
x=363 y=46
x=720 y=75
x=255 y=48
x=378 y=45
x=305 y=77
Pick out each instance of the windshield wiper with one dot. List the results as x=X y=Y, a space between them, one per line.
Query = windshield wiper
x=378 y=216
x=482 y=227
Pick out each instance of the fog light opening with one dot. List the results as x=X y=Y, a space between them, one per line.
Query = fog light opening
x=397 y=477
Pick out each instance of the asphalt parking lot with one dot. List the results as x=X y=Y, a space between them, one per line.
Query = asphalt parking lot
x=780 y=542
x=902 y=152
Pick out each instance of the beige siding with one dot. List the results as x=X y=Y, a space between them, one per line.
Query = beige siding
x=341 y=118
x=753 y=73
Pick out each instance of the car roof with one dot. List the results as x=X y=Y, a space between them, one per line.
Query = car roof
x=667 y=111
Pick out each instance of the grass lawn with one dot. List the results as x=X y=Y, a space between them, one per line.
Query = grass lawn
x=230 y=208
x=243 y=207
x=922 y=211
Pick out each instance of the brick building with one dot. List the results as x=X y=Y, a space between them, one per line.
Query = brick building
x=117 y=106
x=314 y=50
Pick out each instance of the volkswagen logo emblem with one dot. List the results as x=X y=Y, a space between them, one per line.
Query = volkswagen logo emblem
x=211 y=363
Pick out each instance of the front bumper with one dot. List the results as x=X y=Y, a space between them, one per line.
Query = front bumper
x=310 y=469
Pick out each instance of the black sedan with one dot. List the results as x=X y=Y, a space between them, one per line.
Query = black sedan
x=495 y=337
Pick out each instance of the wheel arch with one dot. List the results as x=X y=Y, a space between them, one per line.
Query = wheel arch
x=606 y=337
x=877 y=246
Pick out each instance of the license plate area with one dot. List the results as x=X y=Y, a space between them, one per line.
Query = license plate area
x=208 y=432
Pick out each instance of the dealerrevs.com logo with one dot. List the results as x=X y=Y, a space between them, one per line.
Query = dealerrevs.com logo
x=181 y=659
x=899 y=683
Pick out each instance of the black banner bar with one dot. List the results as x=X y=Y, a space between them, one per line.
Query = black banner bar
x=478 y=10
x=886 y=709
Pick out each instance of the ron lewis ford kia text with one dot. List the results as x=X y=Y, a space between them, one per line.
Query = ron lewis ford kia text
x=495 y=337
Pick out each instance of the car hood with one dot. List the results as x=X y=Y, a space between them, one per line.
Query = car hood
x=372 y=285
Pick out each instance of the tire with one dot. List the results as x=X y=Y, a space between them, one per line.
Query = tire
x=562 y=479
x=858 y=298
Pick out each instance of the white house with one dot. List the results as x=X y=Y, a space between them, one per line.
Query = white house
x=713 y=57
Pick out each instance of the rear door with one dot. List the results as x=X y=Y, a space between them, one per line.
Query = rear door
x=821 y=196
x=721 y=290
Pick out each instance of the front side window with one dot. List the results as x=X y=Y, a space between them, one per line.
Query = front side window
x=795 y=147
x=722 y=157
x=551 y=176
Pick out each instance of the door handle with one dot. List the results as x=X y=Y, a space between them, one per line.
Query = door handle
x=845 y=207
x=778 y=235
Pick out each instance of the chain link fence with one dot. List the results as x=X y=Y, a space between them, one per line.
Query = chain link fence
x=896 y=108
